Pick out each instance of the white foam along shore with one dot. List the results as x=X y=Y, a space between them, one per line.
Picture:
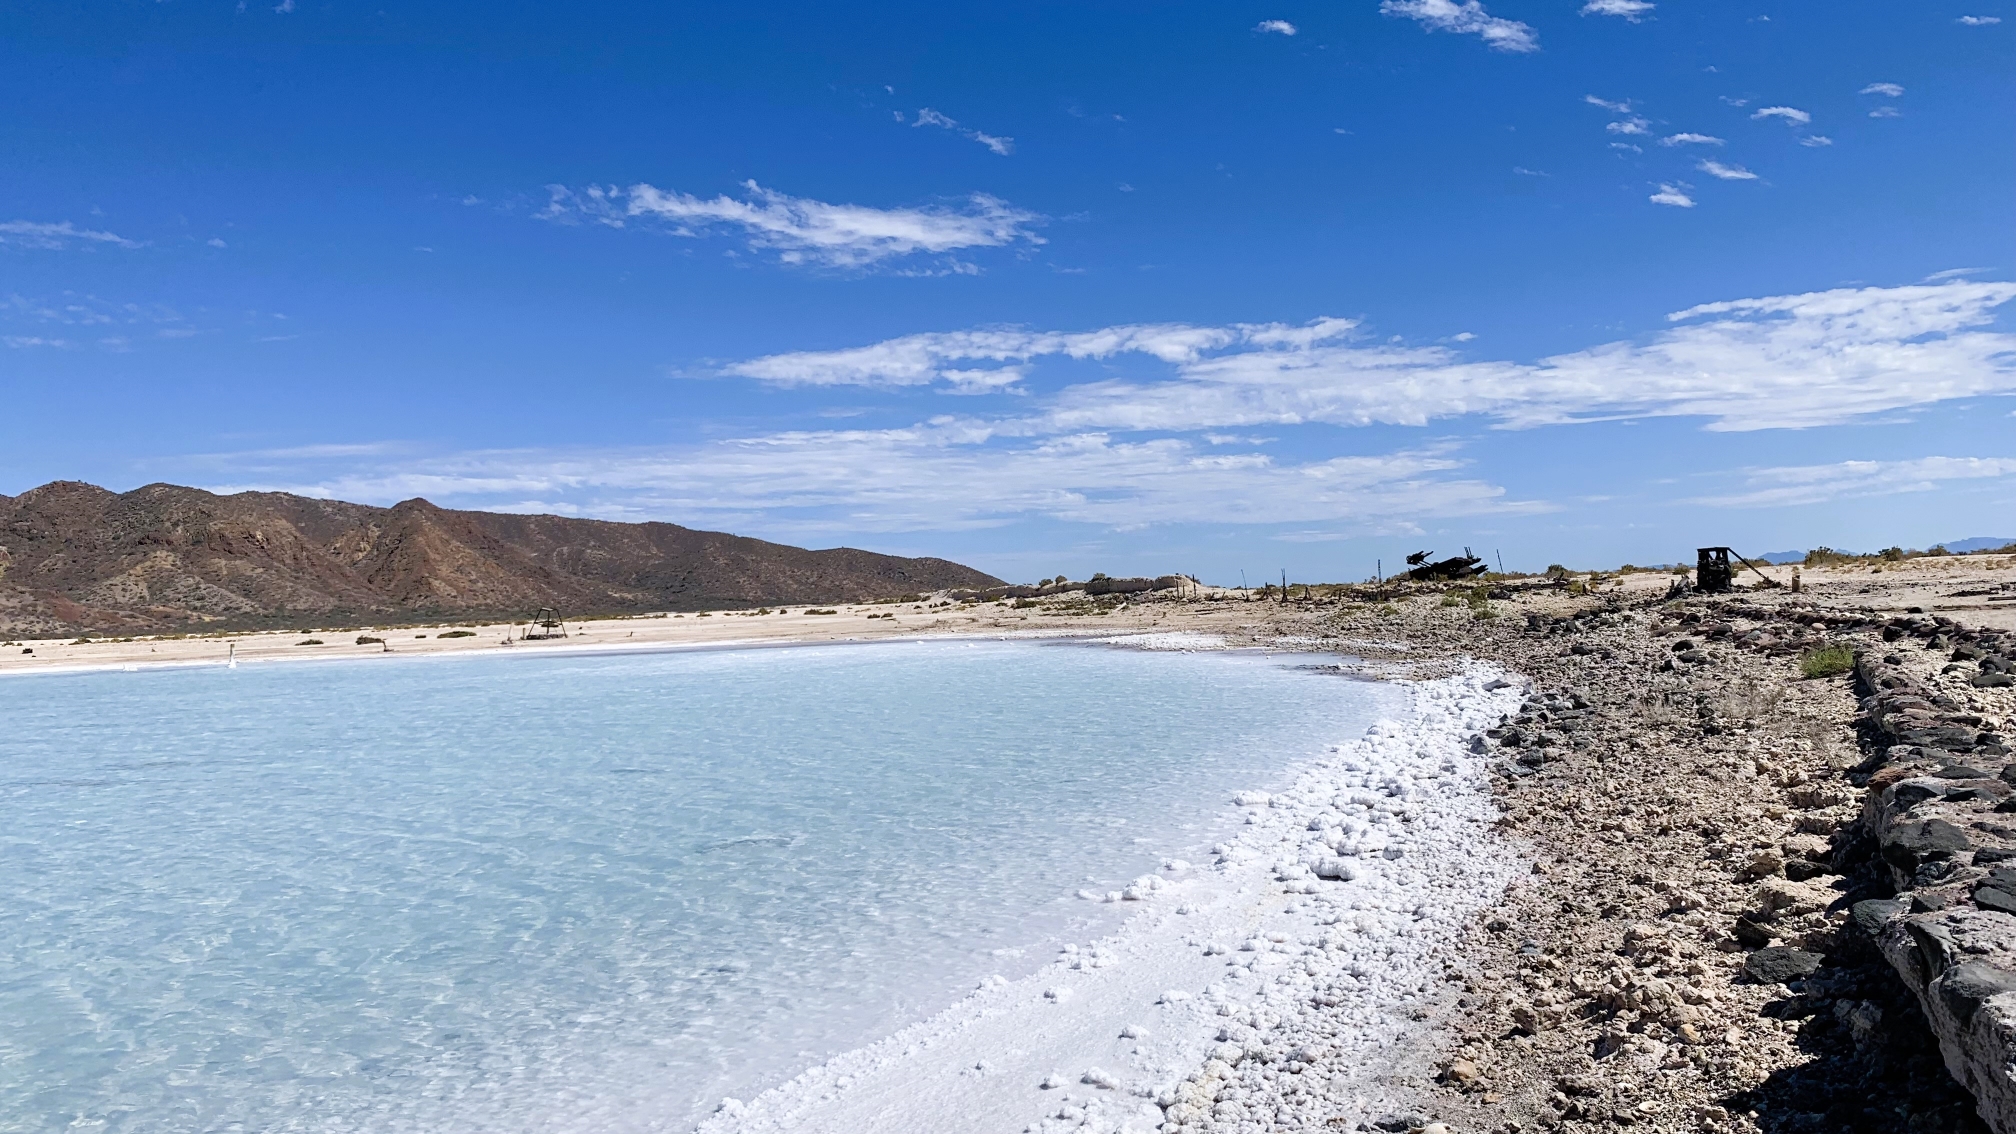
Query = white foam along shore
x=1282 y=978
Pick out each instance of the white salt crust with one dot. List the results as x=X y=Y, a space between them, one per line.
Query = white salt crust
x=1166 y=640
x=1276 y=987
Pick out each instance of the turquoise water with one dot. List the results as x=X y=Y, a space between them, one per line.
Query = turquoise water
x=589 y=893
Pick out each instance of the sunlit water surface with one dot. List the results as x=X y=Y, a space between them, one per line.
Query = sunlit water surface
x=587 y=893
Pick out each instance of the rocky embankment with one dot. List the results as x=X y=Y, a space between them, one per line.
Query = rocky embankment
x=1938 y=825
x=1759 y=902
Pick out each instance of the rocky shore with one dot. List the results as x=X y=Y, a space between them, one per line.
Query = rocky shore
x=1759 y=901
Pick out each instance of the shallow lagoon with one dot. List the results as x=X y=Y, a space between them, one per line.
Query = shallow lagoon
x=590 y=893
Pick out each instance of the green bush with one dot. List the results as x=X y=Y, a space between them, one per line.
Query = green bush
x=1827 y=661
x=368 y=640
x=457 y=634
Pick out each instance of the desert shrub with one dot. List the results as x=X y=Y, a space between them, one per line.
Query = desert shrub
x=1555 y=571
x=368 y=640
x=457 y=634
x=1451 y=598
x=1827 y=661
x=310 y=642
x=816 y=611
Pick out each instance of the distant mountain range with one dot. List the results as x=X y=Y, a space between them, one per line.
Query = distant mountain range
x=1957 y=547
x=76 y=558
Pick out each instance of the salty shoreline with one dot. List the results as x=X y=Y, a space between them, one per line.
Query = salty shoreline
x=1181 y=985
x=1317 y=936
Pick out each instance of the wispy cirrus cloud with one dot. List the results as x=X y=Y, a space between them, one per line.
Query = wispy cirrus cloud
x=1690 y=140
x=1792 y=361
x=1466 y=17
x=1633 y=10
x=1847 y=480
x=929 y=117
x=1178 y=438
x=1978 y=21
x=1888 y=90
x=803 y=231
x=933 y=478
x=38 y=234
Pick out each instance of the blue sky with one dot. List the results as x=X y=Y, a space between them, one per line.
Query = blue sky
x=1045 y=288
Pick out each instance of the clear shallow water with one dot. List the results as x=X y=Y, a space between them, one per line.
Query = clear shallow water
x=574 y=894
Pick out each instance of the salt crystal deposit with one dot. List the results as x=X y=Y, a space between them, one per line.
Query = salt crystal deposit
x=1280 y=980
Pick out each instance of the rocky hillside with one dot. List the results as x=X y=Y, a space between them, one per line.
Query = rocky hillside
x=77 y=558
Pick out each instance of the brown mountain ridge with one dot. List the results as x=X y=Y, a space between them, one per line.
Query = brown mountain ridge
x=76 y=558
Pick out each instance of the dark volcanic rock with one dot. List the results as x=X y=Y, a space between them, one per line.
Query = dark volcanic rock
x=1781 y=965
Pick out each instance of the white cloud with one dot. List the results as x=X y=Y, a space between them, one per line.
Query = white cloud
x=930 y=117
x=1674 y=195
x=1890 y=90
x=1616 y=107
x=804 y=231
x=1978 y=21
x=1278 y=27
x=1847 y=480
x=1886 y=112
x=1792 y=115
x=22 y=342
x=920 y=360
x=1173 y=440
x=1793 y=361
x=216 y=242
x=1952 y=274
x=1627 y=146
x=1630 y=126
x=1466 y=18
x=1690 y=140
x=1633 y=10
x=1816 y=140
x=34 y=234
x=939 y=478
x=1726 y=172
